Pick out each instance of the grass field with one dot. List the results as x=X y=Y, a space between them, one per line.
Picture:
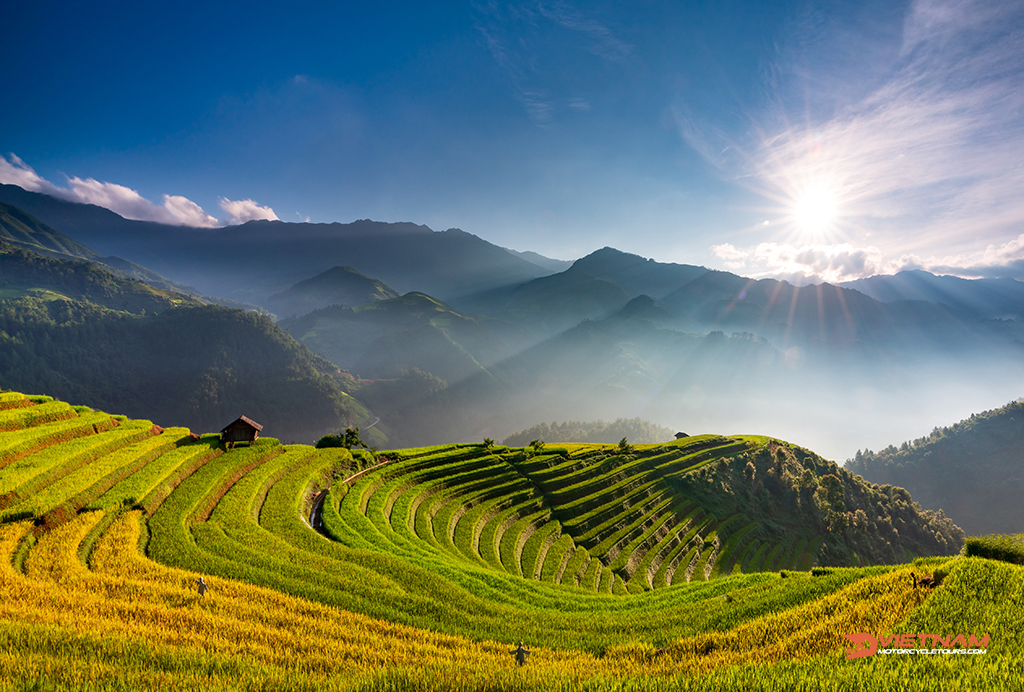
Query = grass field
x=427 y=569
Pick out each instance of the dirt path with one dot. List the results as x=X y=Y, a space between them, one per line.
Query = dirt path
x=316 y=511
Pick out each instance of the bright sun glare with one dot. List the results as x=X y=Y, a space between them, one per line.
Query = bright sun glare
x=815 y=209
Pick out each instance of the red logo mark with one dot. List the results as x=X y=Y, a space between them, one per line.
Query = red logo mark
x=858 y=639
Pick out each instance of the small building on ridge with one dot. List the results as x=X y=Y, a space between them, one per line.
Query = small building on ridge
x=244 y=429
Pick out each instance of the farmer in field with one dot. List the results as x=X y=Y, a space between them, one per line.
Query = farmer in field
x=520 y=654
x=202 y=586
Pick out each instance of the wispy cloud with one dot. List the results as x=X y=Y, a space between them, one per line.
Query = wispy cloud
x=523 y=39
x=929 y=162
x=175 y=209
x=603 y=42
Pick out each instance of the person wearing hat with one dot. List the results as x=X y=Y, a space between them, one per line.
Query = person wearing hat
x=520 y=654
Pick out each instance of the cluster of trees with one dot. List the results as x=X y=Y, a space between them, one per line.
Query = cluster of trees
x=793 y=493
x=600 y=432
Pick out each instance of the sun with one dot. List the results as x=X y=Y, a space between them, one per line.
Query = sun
x=814 y=211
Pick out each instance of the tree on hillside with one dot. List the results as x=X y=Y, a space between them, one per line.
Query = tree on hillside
x=349 y=439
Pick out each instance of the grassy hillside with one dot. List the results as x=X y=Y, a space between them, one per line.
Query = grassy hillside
x=24 y=273
x=25 y=230
x=973 y=470
x=106 y=523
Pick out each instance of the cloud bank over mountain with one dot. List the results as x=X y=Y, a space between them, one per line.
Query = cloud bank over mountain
x=175 y=209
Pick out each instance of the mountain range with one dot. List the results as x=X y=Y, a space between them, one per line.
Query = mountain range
x=258 y=259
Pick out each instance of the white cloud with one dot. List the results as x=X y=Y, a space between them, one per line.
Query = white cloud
x=17 y=172
x=188 y=213
x=814 y=262
x=733 y=258
x=844 y=262
x=997 y=261
x=244 y=210
x=175 y=210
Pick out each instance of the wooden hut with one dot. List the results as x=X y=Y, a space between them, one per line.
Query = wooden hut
x=681 y=435
x=244 y=429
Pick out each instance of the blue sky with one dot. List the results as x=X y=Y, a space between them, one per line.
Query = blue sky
x=829 y=140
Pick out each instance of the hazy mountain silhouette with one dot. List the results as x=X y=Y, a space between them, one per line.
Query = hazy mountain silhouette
x=824 y=318
x=547 y=263
x=594 y=287
x=989 y=298
x=337 y=286
x=383 y=338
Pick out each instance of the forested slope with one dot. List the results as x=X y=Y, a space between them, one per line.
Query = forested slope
x=81 y=333
x=973 y=470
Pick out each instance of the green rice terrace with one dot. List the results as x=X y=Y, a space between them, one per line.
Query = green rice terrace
x=711 y=562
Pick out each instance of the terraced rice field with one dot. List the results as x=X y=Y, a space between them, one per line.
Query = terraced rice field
x=427 y=567
x=579 y=515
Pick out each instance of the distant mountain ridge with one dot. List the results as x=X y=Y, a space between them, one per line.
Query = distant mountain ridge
x=25 y=231
x=989 y=298
x=337 y=286
x=491 y=342
x=261 y=258
x=825 y=317
x=381 y=339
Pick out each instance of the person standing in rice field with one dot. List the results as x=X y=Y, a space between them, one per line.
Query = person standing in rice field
x=520 y=654
x=202 y=586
